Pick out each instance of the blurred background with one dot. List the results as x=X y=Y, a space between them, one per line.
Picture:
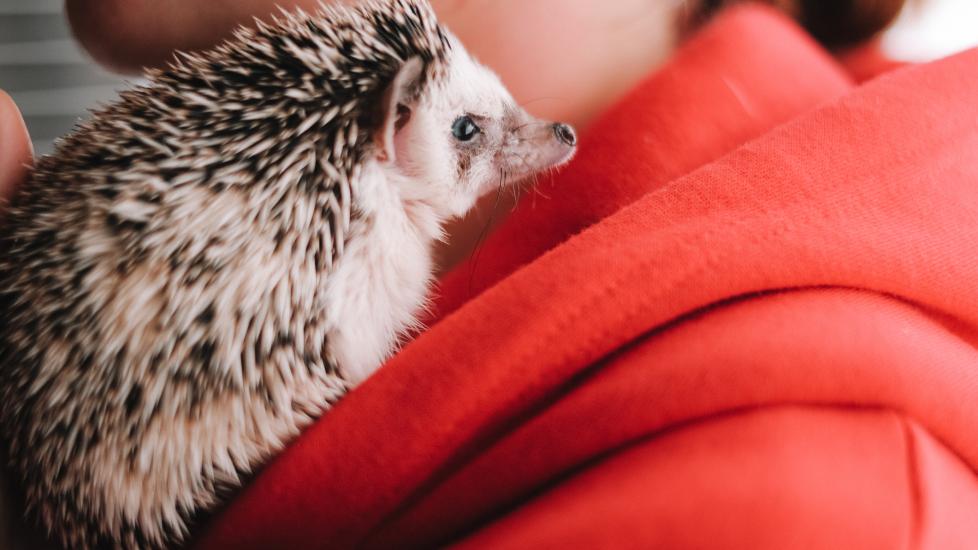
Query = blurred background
x=930 y=29
x=53 y=82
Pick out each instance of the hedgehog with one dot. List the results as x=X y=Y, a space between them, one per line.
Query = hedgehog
x=209 y=262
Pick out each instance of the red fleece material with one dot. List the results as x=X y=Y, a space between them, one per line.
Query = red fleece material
x=745 y=317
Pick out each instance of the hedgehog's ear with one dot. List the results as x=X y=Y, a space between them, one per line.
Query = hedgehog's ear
x=395 y=110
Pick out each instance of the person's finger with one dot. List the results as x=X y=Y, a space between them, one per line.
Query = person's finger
x=15 y=147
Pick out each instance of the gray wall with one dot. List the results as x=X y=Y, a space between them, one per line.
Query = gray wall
x=50 y=78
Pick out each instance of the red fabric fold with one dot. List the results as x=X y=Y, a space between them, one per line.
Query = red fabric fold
x=769 y=480
x=600 y=393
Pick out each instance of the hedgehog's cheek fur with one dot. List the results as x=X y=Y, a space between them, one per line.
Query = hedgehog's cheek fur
x=430 y=169
x=430 y=165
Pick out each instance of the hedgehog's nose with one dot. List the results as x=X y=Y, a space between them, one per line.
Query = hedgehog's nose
x=565 y=134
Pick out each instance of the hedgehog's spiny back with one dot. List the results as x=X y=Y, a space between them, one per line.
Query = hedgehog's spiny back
x=249 y=112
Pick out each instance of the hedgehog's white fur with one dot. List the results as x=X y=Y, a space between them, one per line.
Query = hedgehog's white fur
x=206 y=266
x=422 y=186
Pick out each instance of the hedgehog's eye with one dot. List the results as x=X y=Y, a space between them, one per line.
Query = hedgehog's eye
x=464 y=129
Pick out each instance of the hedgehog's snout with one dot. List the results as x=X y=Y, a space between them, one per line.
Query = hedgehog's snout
x=536 y=146
x=558 y=145
x=565 y=134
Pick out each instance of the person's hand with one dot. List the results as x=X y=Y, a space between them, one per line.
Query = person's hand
x=15 y=148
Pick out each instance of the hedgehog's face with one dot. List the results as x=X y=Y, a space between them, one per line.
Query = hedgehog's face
x=466 y=136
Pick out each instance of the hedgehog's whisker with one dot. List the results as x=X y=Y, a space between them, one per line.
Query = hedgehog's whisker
x=477 y=251
x=542 y=98
x=514 y=191
x=536 y=186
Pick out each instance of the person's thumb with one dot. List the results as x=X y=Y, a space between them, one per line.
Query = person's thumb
x=15 y=147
